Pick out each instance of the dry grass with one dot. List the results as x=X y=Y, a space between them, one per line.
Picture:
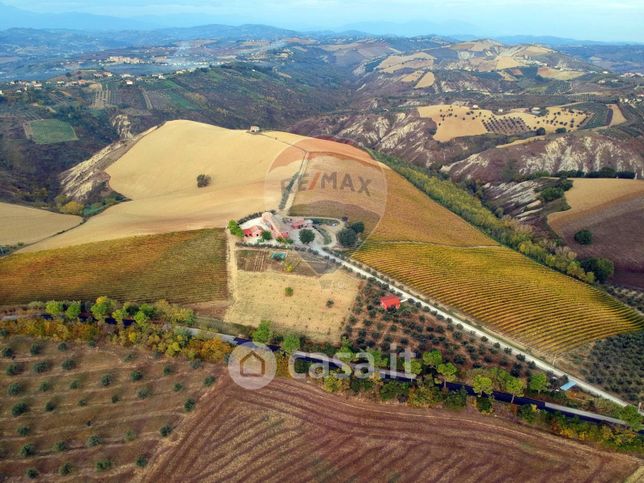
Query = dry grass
x=260 y=296
x=427 y=81
x=394 y=63
x=74 y=424
x=183 y=267
x=618 y=116
x=412 y=216
x=557 y=74
x=21 y=224
x=159 y=175
x=455 y=121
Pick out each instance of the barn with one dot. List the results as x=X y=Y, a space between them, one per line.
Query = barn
x=390 y=302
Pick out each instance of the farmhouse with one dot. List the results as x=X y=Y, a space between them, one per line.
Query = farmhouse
x=253 y=232
x=254 y=129
x=390 y=301
x=299 y=223
x=277 y=229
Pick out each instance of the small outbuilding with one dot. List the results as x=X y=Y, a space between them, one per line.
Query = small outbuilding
x=253 y=232
x=390 y=302
x=254 y=129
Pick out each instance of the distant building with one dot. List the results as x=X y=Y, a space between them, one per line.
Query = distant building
x=390 y=301
x=535 y=110
x=254 y=129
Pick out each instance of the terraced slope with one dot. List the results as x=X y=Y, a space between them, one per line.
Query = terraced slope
x=455 y=264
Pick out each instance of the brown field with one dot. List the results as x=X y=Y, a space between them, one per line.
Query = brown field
x=413 y=77
x=394 y=63
x=293 y=431
x=455 y=121
x=73 y=423
x=613 y=210
x=259 y=295
x=21 y=224
x=184 y=267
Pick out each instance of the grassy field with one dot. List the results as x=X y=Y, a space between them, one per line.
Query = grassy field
x=455 y=264
x=293 y=430
x=184 y=267
x=73 y=418
x=51 y=131
x=21 y=224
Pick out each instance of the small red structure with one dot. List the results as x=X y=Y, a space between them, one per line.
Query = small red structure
x=253 y=232
x=390 y=301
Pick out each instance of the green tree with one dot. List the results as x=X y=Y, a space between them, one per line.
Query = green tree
x=538 y=382
x=307 y=236
x=291 y=343
x=347 y=237
x=482 y=385
x=432 y=359
x=103 y=308
x=141 y=319
x=601 y=267
x=631 y=416
x=514 y=386
x=288 y=291
x=55 y=308
x=584 y=237
x=447 y=373
x=73 y=310
x=358 y=227
x=541 y=131
x=235 y=229
x=266 y=235
x=263 y=334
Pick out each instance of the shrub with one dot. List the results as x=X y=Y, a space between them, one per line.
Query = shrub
x=7 y=352
x=63 y=347
x=60 y=446
x=165 y=431
x=68 y=364
x=15 y=389
x=27 y=450
x=24 y=430
x=35 y=349
x=203 y=180
x=65 y=469
x=45 y=386
x=136 y=376
x=168 y=370
x=50 y=406
x=130 y=436
x=13 y=369
x=41 y=366
x=32 y=473
x=288 y=291
x=93 y=441
x=103 y=465
x=115 y=398
x=189 y=405
x=19 y=409
x=144 y=393
x=584 y=237
x=209 y=381
x=106 y=380
x=178 y=387
x=75 y=384
x=142 y=461
x=347 y=237
x=82 y=402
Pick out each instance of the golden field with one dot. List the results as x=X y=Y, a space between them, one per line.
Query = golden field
x=21 y=224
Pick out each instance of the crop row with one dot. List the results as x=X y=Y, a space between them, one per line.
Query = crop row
x=507 y=291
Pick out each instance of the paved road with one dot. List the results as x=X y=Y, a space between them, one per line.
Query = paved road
x=541 y=364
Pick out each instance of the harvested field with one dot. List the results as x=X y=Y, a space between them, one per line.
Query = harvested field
x=51 y=131
x=184 y=267
x=394 y=63
x=613 y=210
x=617 y=117
x=292 y=430
x=84 y=407
x=455 y=121
x=21 y=224
x=564 y=75
x=413 y=77
x=427 y=81
x=260 y=296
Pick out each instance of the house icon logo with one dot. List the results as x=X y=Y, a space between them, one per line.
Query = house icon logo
x=252 y=366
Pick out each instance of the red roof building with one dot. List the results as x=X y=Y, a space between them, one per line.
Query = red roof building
x=390 y=301
x=253 y=232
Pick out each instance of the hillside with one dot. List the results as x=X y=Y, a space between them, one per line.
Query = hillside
x=29 y=225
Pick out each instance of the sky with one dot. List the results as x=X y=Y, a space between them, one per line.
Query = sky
x=617 y=20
